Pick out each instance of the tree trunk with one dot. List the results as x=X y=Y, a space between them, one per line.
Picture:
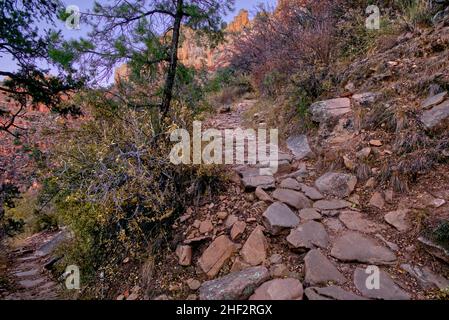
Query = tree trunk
x=171 y=74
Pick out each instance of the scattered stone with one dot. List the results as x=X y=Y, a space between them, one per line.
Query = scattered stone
x=376 y=143
x=162 y=297
x=355 y=199
x=426 y=278
x=254 y=251
x=388 y=289
x=391 y=245
x=299 y=146
x=389 y=196
x=349 y=164
x=356 y=221
x=279 y=271
x=364 y=153
x=434 y=100
x=239 y=265
x=435 y=117
x=334 y=224
x=279 y=217
x=365 y=99
x=377 y=201
x=438 y=203
x=308 y=236
x=238 y=229
x=309 y=214
x=399 y=219
x=355 y=247
x=222 y=215
x=206 y=227
x=235 y=286
x=324 y=111
x=312 y=193
x=184 y=254
x=331 y=293
x=133 y=297
x=264 y=182
x=435 y=249
x=216 y=255
x=294 y=199
x=192 y=297
x=336 y=184
x=299 y=174
x=320 y=271
x=197 y=240
x=279 y=289
x=276 y=259
x=262 y=195
x=371 y=183
x=331 y=205
x=291 y=184
x=193 y=284
x=230 y=221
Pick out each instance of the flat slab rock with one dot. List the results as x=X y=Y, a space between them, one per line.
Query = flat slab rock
x=235 y=286
x=320 y=271
x=279 y=289
x=340 y=185
x=331 y=293
x=355 y=247
x=329 y=205
x=254 y=251
x=311 y=193
x=434 y=249
x=426 y=278
x=357 y=221
x=216 y=255
x=399 y=219
x=293 y=198
x=309 y=214
x=388 y=289
x=323 y=111
x=264 y=182
x=279 y=217
x=291 y=184
x=434 y=100
x=299 y=146
x=308 y=236
x=437 y=116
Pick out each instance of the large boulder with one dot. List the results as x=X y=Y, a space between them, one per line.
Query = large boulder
x=324 y=111
x=336 y=184
x=235 y=286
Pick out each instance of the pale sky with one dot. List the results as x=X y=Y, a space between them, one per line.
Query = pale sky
x=7 y=64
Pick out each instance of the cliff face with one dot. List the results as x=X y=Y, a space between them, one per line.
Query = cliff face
x=196 y=53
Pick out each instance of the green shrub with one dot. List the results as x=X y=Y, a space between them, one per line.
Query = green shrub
x=415 y=12
x=117 y=190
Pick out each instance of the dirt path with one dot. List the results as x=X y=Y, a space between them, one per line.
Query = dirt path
x=317 y=240
x=29 y=278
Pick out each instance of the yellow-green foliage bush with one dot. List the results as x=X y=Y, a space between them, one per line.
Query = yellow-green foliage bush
x=117 y=190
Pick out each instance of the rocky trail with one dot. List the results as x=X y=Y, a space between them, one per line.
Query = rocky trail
x=302 y=235
x=29 y=275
